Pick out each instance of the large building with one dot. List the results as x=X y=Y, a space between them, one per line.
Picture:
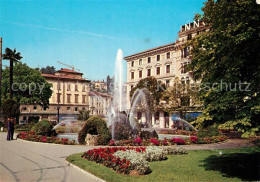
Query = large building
x=70 y=93
x=165 y=63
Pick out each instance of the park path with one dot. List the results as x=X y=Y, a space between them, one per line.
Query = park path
x=31 y=161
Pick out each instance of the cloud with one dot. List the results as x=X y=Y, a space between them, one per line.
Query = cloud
x=65 y=30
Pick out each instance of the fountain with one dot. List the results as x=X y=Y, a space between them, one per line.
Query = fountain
x=118 y=113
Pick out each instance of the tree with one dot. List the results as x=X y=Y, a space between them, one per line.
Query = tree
x=10 y=108
x=29 y=86
x=83 y=115
x=226 y=60
x=155 y=87
x=48 y=70
x=180 y=98
x=13 y=57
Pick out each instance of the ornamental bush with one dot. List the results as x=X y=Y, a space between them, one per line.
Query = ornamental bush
x=95 y=125
x=137 y=160
x=44 y=127
x=155 y=154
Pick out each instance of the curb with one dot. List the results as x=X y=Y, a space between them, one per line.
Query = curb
x=95 y=178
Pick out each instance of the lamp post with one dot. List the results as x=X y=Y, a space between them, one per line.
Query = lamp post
x=58 y=108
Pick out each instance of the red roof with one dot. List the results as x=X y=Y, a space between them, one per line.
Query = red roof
x=71 y=77
x=69 y=71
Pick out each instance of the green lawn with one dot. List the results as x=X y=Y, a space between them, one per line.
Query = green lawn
x=232 y=165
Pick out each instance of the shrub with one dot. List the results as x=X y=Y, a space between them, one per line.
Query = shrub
x=44 y=127
x=10 y=108
x=95 y=125
x=154 y=142
x=154 y=134
x=111 y=143
x=193 y=139
x=145 y=135
x=208 y=132
x=165 y=142
x=178 y=141
x=175 y=151
x=137 y=160
x=155 y=154
x=137 y=141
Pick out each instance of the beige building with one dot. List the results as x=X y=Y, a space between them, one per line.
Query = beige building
x=165 y=63
x=70 y=93
x=99 y=103
x=99 y=85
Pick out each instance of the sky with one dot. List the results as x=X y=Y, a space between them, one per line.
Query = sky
x=88 y=33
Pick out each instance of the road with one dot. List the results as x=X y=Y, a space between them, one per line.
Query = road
x=30 y=161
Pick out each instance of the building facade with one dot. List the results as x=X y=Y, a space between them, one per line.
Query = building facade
x=99 y=103
x=165 y=63
x=70 y=93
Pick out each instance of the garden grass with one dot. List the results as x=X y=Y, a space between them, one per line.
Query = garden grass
x=233 y=165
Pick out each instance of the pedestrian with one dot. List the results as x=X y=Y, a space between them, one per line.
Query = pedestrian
x=10 y=129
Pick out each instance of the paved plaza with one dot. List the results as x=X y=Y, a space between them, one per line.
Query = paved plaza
x=30 y=161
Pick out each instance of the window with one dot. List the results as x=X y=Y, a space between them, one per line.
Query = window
x=139 y=115
x=182 y=68
x=76 y=108
x=140 y=74
x=58 y=86
x=140 y=61
x=187 y=80
x=76 y=87
x=68 y=98
x=68 y=87
x=83 y=98
x=44 y=108
x=158 y=57
x=58 y=97
x=167 y=83
x=189 y=36
x=168 y=68
x=132 y=75
x=68 y=108
x=183 y=80
x=168 y=55
x=149 y=60
x=148 y=72
x=76 y=98
x=158 y=70
x=185 y=101
x=185 y=68
x=35 y=108
x=83 y=88
x=133 y=63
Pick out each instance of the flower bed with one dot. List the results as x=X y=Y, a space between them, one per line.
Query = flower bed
x=31 y=136
x=167 y=142
x=127 y=159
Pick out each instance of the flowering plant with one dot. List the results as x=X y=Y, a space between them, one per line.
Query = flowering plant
x=154 y=142
x=137 y=141
x=193 y=139
x=178 y=141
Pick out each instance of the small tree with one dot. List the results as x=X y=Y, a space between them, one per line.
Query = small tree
x=10 y=108
x=180 y=98
x=83 y=115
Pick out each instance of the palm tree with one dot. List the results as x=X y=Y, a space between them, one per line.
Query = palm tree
x=13 y=56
